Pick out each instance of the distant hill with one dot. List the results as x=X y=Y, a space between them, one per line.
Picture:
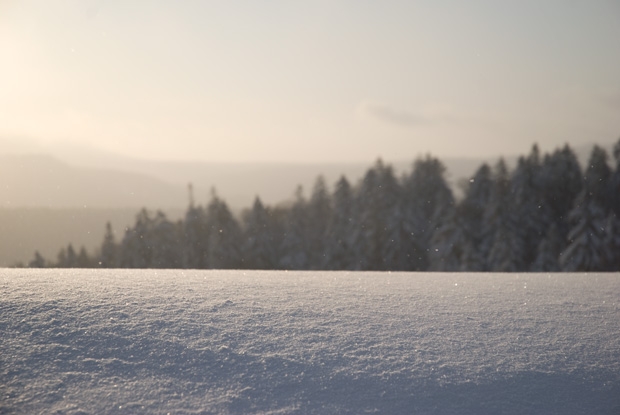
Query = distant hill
x=78 y=177
x=44 y=181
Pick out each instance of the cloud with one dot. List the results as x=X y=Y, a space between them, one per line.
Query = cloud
x=390 y=114
x=404 y=117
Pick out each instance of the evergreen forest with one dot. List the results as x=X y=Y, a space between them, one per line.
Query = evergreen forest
x=547 y=214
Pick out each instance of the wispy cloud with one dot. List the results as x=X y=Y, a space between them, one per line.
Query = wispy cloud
x=404 y=117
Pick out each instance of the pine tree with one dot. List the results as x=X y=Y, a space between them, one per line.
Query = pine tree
x=109 y=256
x=370 y=236
x=614 y=182
x=195 y=238
x=502 y=233
x=165 y=239
x=560 y=182
x=83 y=260
x=612 y=242
x=427 y=202
x=319 y=215
x=587 y=249
x=548 y=251
x=471 y=213
x=136 y=247
x=531 y=208
x=294 y=249
x=588 y=239
x=38 y=261
x=71 y=261
x=61 y=259
x=399 y=245
x=259 y=249
x=223 y=236
x=613 y=221
x=340 y=247
x=448 y=243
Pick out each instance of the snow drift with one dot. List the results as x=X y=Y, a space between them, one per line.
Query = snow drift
x=233 y=342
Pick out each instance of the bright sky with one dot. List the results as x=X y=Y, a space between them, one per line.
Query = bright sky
x=323 y=80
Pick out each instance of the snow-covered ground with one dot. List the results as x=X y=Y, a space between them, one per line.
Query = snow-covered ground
x=202 y=342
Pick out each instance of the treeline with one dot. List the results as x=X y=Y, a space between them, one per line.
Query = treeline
x=547 y=214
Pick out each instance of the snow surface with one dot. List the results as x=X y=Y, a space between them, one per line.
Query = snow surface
x=202 y=342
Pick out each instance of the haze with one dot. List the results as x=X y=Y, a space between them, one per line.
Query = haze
x=317 y=81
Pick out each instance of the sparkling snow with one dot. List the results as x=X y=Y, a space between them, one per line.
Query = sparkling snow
x=236 y=342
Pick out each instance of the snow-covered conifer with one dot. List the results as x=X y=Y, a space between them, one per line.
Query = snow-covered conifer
x=108 y=257
x=294 y=247
x=548 y=251
x=83 y=260
x=137 y=244
x=531 y=209
x=223 y=236
x=427 y=201
x=614 y=182
x=612 y=242
x=368 y=234
x=379 y=237
x=165 y=238
x=339 y=245
x=38 y=261
x=471 y=212
x=448 y=243
x=71 y=261
x=319 y=216
x=195 y=238
x=397 y=243
x=259 y=249
x=560 y=182
x=588 y=248
x=503 y=235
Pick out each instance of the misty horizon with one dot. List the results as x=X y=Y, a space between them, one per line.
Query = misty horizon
x=317 y=82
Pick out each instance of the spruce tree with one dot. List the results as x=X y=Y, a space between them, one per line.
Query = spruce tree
x=613 y=222
x=561 y=181
x=588 y=248
x=108 y=257
x=195 y=238
x=614 y=182
x=448 y=243
x=294 y=248
x=137 y=246
x=339 y=244
x=259 y=249
x=38 y=261
x=502 y=232
x=319 y=216
x=398 y=244
x=531 y=208
x=223 y=236
x=548 y=251
x=165 y=238
x=71 y=261
x=427 y=202
x=370 y=234
x=471 y=213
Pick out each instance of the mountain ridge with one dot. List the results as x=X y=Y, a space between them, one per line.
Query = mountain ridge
x=77 y=177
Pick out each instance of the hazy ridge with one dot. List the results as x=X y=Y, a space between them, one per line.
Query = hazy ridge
x=69 y=177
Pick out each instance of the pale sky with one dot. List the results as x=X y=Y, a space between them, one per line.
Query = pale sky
x=324 y=80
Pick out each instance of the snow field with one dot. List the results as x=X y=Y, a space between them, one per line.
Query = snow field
x=233 y=342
